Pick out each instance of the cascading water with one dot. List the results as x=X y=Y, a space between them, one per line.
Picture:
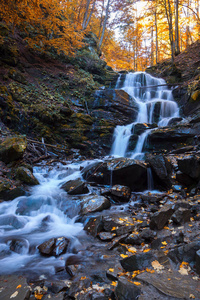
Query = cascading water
x=28 y=221
x=155 y=105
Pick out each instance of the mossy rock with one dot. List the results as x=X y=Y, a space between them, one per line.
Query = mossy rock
x=26 y=176
x=4 y=185
x=12 y=148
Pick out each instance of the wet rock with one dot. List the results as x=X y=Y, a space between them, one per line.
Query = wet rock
x=75 y=187
x=113 y=222
x=139 y=128
x=178 y=287
x=26 y=176
x=148 y=235
x=94 y=226
x=184 y=179
x=94 y=203
x=182 y=150
x=125 y=171
x=56 y=286
x=116 y=241
x=121 y=193
x=126 y=290
x=54 y=246
x=161 y=167
x=28 y=204
x=160 y=218
x=133 y=239
x=190 y=165
x=185 y=253
x=12 y=148
x=198 y=262
x=20 y=246
x=152 y=198
x=181 y=215
x=15 y=287
x=9 y=191
x=124 y=229
x=157 y=243
x=113 y=273
x=79 y=285
x=12 y=221
x=137 y=261
x=106 y=236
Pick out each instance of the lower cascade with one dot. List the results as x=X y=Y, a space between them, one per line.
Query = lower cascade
x=155 y=106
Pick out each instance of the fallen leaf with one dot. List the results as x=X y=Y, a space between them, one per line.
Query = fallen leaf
x=166 y=227
x=149 y=270
x=111 y=270
x=168 y=278
x=146 y=250
x=14 y=295
x=132 y=250
x=113 y=228
x=164 y=243
x=123 y=255
x=136 y=283
x=192 y=296
x=19 y=286
x=114 y=283
x=83 y=278
x=157 y=266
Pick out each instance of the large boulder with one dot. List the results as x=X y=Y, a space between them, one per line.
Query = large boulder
x=137 y=261
x=12 y=148
x=123 y=171
x=161 y=168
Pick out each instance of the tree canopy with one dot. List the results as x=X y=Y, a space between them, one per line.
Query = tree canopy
x=132 y=34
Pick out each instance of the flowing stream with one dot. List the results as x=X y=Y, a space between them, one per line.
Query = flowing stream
x=49 y=212
x=155 y=105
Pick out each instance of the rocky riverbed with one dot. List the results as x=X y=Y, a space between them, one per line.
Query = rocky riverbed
x=131 y=243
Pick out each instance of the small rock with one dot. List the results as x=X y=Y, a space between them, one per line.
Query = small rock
x=126 y=290
x=54 y=246
x=75 y=187
x=181 y=215
x=121 y=193
x=160 y=218
x=137 y=261
x=94 y=226
x=106 y=236
x=12 y=148
x=116 y=241
x=94 y=203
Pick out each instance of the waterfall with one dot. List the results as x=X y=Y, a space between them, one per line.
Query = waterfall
x=155 y=105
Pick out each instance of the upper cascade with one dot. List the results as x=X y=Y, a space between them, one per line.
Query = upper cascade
x=155 y=105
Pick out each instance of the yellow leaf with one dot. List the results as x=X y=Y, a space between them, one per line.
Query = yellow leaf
x=168 y=278
x=83 y=278
x=166 y=227
x=19 y=286
x=111 y=270
x=123 y=255
x=136 y=283
x=166 y=251
x=132 y=250
x=164 y=243
x=114 y=283
x=146 y=250
x=149 y=270
x=113 y=228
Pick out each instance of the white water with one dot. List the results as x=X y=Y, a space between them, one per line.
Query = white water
x=34 y=219
x=151 y=96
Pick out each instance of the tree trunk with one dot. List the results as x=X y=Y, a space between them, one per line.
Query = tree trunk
x=91 y=12
x=156 y=27
x=104 y=23
x=86 y=14
x=168 y=12
x=177 y=48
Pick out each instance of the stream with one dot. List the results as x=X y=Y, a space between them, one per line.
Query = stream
x=49 y=212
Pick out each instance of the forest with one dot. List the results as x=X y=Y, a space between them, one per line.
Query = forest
x=132 y=34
